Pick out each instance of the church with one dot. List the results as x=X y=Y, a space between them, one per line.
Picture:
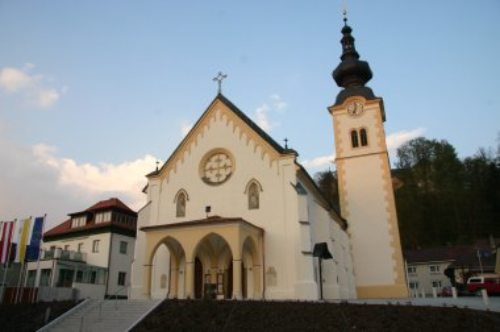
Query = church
x=232 y=214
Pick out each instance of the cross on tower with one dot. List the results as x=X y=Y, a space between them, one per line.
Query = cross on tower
x=286 y=143
x=219 y=78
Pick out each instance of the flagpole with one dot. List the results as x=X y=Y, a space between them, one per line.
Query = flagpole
x=18 y=248
x=38 y=261
x=20 y=290
x=6 y=265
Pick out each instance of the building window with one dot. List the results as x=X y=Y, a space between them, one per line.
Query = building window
x=253 y=196
x=437 y=284
x=45 y=277
x=354 y=138
x=66 y=247
x=364 y=137
x=180 y=203
x=93 y=277
x=78 y=221
x=434 y=268
x=123 y=247
x=121 y=278
x=95 y=246
x=253 y=190
x=413 y=284
x=102 y=217
x=80 y=247
x=412 y=269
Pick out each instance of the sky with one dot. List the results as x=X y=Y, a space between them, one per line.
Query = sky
x=93 y=93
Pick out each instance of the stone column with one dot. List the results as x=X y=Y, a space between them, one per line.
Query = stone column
x=189 y=285
x=237 y=279
x=257 y=283
x=174 y=275
x=147 y=280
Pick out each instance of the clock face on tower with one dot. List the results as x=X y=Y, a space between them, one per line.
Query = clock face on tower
x=355 y=108
x=216 y=167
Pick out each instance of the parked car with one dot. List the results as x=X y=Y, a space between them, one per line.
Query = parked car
x=489 y=282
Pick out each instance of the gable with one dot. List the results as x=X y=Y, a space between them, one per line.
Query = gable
x=222 y=109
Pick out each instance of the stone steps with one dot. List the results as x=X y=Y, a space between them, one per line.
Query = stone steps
x=108 y=316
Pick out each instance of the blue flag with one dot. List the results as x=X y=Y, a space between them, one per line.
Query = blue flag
x=36 y=236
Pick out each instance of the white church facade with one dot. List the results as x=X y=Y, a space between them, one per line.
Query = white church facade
x=232 y=214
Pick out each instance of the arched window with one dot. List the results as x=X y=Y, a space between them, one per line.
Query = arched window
x=252 y=191
x=354 y=138
x=253 y=196
x=364 y=137
x=180 y=203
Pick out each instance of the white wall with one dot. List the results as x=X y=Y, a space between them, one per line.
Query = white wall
x=98 y=259
x=278 y=215
x=91 y=291
x=120 y=262
x=425 y=277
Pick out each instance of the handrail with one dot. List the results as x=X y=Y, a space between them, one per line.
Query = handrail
x=99 y=304
x=55 y=321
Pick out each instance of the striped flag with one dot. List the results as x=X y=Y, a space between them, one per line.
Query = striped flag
x=24 y=232
x=6 y=231
x=36 y=237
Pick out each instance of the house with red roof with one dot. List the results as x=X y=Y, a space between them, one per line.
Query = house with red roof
x=91 y=252
x=429 y=268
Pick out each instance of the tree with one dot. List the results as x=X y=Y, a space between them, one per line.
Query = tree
x=327 y=183
x=428 y=203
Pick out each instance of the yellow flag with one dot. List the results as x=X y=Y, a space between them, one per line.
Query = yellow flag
x=23 y=239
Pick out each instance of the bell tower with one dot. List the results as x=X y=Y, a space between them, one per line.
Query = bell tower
x=364 y=177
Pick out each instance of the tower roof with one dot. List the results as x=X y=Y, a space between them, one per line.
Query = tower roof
x=351 y=74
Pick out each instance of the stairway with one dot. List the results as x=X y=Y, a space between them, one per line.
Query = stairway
x=108 y=315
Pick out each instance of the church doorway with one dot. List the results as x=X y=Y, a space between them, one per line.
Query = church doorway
x=213 y=268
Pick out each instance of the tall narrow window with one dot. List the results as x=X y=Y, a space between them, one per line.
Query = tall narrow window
x=253 y=190
x=253 y=196
x=364 y=137
x=354 y=138
x=181 y=205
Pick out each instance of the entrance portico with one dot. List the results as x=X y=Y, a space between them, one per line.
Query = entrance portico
x=222 y=256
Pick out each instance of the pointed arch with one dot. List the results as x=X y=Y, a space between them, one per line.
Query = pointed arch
x=180 y=200
x=253 y=190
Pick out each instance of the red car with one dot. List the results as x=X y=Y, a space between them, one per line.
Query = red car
x=489 y=282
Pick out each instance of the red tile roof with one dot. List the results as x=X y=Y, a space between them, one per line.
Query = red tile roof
x=110 y=204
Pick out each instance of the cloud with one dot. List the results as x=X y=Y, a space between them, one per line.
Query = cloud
x=31 y=87
x=47 y=98
x=186 y=127
x=278 y=103
x=126 y=178
x=319 y=162
x=12 y=79
x=261 y=117
x=36 y=181
x=393 y=141
x=263 y=113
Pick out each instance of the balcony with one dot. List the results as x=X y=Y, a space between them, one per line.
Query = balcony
x=67 y=255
